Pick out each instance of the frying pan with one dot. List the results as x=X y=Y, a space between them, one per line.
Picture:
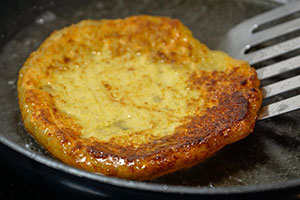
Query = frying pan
x=265 y=164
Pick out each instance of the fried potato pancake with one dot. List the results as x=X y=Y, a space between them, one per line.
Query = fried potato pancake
x=135 y=98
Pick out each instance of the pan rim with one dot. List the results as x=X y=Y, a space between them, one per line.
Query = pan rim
x=145 y=186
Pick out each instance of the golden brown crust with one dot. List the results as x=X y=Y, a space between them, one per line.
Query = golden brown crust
x=232 y=99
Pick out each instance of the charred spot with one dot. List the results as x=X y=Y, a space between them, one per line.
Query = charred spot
x=50 y=67
x=132 y=156
x=240 y=106
x=162 y=55
x=95 y=152
x=62 y=136
x=70 y=132
x=66 y=59
x=101 y=150
x=158 y=157
x=243 y=82
x=190 y=48
x=215 y=73
x=197 y=140
x=213 y=82
x=44 y=116
x=78 y=146
x=198 y=80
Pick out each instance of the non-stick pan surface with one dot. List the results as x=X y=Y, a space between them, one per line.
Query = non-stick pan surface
x=268 y=161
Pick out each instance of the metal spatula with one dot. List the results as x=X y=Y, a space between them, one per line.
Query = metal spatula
x=248 y=41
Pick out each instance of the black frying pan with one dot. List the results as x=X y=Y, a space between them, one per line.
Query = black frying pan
x=266 y=163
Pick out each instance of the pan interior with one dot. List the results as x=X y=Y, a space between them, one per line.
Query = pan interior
x=270 y=155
